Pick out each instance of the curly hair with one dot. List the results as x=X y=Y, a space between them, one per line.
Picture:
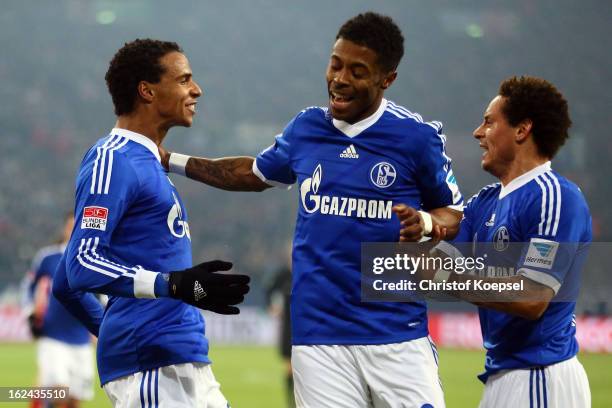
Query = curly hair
x=539 y=101
x=134 y=62
x=380 y=34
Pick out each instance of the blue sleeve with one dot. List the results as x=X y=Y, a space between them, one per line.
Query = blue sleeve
x=105 y=192
x=465 y=227
x=557 y=232
x=84 y=306
x=38 y=270
x=44 y=268
x=273 y=165
x=436 y=180
x=462 y=243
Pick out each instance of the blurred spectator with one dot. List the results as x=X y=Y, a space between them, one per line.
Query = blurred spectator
x=278 y=296
x=64 y=351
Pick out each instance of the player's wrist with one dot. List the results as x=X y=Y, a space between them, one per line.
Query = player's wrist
x=162 y=285
x=441 y=275
x=427 y=222
x=177 y=163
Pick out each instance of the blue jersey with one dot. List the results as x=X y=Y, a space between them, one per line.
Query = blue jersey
x=550 y=215
x=349 y=177
x=130 y=224
x=58 y=323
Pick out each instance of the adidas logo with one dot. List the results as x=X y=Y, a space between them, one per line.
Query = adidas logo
x=198 y=291
x=349 y=153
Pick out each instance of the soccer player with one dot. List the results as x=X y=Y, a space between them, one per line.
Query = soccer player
x=64 y=351
x=278 y=298
x=529 y=336
x=353 y=162
x=131 y=241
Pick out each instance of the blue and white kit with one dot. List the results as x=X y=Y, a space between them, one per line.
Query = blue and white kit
x=349 y=177
x=130 y=225
x=550 y=216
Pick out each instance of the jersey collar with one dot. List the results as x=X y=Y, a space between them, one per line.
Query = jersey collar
x=352 y=130
x=523 y=179
x=138 y=138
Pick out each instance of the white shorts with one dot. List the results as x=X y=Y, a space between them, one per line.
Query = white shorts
x=68 y=365
x=364 y=376
x=178 y=386
x=560 y=385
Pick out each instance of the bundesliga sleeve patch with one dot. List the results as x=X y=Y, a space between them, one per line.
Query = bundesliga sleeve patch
x=94 y=218
x=541 y=253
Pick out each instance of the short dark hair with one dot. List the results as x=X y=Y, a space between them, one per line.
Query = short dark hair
x=538 y=100
x=134 y=62
x=379 y=33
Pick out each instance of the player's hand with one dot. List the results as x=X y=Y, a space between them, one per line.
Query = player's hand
x=35 y=326
x=412 y=225
x=438 y=234
x=165 y=157
x=202 y=287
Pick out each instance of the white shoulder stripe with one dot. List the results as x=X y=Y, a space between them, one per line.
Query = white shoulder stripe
x=543 y=207
x=557 y=213
x=322 y=108
x=400 y=109
x=96 y=162
x=404 y=112
x=99 y=171
x=551 y=203
x=395 y=113
x=414 y=115
x=110 y=164
x=102 y=169
x=106 y=171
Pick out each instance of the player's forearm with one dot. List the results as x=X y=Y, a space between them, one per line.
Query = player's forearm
x=530 y=302
x=96 y=270
x=41 y=297
x=84 y=306
x=228 y=173
x=447 y=218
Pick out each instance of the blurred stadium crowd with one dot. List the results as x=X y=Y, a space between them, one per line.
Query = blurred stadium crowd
x=261 y=61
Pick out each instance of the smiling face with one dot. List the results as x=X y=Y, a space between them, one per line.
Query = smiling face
x=498 y=139
x=176 y=93
x=355 y=81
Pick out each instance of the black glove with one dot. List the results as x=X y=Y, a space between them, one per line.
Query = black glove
x=35 y=326
x=201 y=287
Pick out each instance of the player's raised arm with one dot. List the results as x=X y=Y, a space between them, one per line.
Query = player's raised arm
x=228 y=173
x=271 y=168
